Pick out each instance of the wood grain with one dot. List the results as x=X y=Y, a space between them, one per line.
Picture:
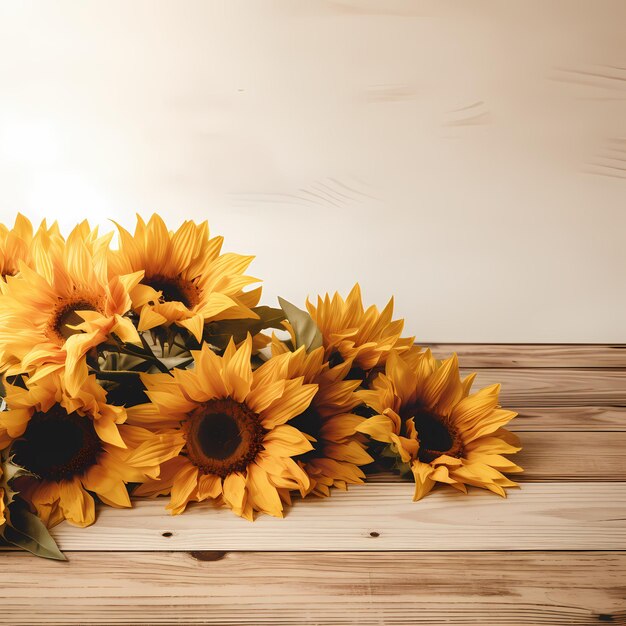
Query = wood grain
x=556 y=387
x=502 y=588
x=562 y=456
x=552 y=553
x=514 y=355
x=570 y=418
x=540 y=516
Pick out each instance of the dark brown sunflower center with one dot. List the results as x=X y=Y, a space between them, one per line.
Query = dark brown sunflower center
x=66 y=316
x=367 y=376
x=335 y=358
x=224 y=436
x=175 y=289
x=218 y=435
x=310 y=422
x=57 y=445
x=434 y=433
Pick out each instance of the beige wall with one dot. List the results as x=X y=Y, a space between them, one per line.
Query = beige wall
x=469 y=157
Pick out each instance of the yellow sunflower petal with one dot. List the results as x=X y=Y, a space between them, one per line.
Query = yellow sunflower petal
x=184 y=485
x=77 y=505
x=209 y=486
x=238 y=371
x=116 y=497
x=163 y=485
x=14 y=422
x=379 y=427
x=490 y=423
x=286 y=441
x=148 y=318
x=423 y=482
x=294 y=401
x=156 y=449
x=439 y=381
x=195 y=325
x=235 y=492
x=107 y=431
x=262 y=396
x=265 y=496
x=473 y=407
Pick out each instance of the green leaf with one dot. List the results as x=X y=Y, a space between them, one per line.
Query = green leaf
x=10 y=472
x=305 y=329
x=124 y=362
x=218 y=334
x=389 y=452
x=180 y=362
x=28 y=532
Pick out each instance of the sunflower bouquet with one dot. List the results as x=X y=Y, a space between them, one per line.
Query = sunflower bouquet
x=148 y=368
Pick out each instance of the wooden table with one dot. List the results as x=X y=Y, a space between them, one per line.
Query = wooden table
x=554 y=552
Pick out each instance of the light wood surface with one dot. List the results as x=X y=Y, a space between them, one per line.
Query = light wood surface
x=507 y=355
x=504 y=588
x=563 y=456
x=556 y=387
x=553 y=552
x=575 y=456
x=540 y=516
x=569 y=418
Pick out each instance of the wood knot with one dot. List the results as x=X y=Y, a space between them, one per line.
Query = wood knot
x=208 y=555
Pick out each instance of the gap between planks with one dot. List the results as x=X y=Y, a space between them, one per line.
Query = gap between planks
x=540 y=516
x=557 y=387
x=504 y=588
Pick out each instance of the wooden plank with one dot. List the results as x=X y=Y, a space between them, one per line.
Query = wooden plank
x=574 y=418
x=540 y=516
x=562 y=456
x=533 y=355
x=504 y=588
x=532 y=387
x=582 y=456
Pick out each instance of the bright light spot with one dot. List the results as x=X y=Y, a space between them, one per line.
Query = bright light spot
x=32 y=142
x=68 y=197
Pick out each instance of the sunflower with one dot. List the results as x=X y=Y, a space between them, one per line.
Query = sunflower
x=435 y=429
x=349 y=331
x=14 y=246
x=328 y=422
x=54 y=314
x=187 y=282
x=57 y=438
x=239 y=447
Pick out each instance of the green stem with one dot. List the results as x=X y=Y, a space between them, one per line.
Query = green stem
x=145 y=353
x=162 y=367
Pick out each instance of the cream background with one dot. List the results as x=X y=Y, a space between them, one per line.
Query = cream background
x=469 y=157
